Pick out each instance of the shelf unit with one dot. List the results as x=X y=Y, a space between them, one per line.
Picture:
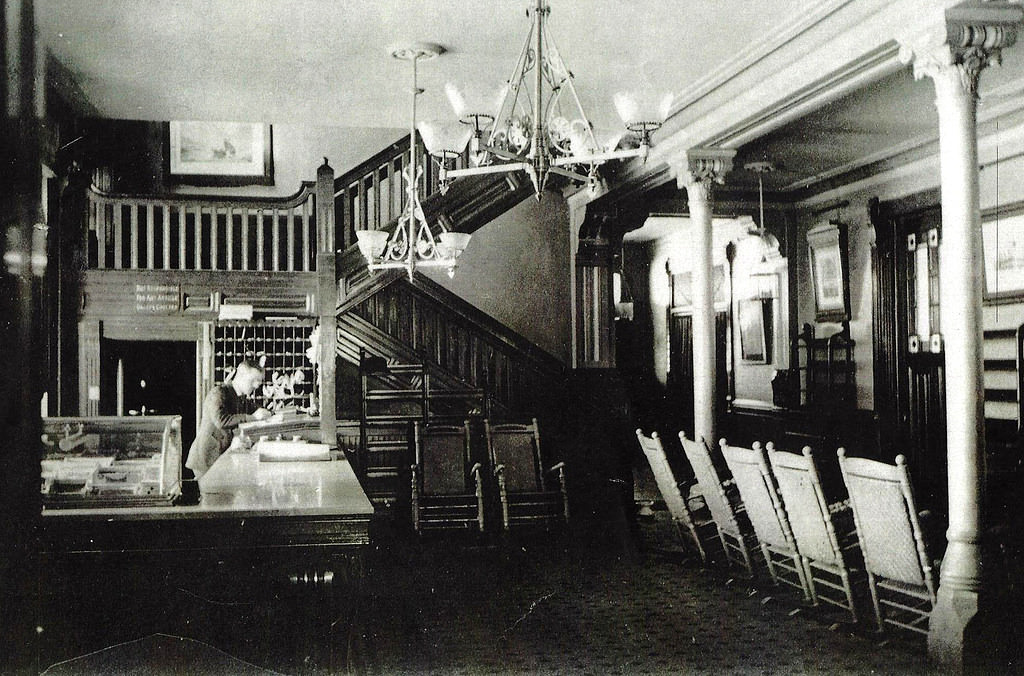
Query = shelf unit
x=290 y=378
x=826 y=369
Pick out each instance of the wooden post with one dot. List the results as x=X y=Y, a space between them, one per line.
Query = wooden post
x=327 y=299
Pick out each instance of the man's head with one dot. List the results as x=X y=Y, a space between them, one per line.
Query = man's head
x=248 y=376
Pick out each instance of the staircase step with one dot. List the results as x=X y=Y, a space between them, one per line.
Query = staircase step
x=1001 y=410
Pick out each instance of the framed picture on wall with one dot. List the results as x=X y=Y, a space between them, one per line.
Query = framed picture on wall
x=830 y=275
x=682 y=287
x=753 y=336
x=219 y=153
x=1003 y=247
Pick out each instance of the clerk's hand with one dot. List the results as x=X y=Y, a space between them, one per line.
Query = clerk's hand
x=261 y=414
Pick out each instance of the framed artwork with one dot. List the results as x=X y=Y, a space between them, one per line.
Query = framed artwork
x=753 y=337
x=830 y=275
x=219 y=153
x=1003 y=247
x=682 y=287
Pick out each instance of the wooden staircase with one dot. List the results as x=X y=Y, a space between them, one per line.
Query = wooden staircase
x=1003 y=353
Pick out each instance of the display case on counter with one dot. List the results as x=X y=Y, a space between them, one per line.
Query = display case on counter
x=110 y=461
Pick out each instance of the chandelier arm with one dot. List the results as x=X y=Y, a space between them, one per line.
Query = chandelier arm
x=490 y=169
x=626 y=154
x=512 y=95
x=568 y=174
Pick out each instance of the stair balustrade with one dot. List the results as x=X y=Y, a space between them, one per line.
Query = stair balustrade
x=203 y=232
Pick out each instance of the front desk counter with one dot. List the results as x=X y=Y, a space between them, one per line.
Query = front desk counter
x=269 y=567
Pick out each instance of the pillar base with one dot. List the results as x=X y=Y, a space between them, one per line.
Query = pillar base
x=972 y=632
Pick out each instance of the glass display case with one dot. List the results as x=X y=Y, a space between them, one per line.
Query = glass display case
x=110 y=461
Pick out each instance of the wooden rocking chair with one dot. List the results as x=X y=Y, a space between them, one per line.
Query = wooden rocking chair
x=824 y=532
x=767 y=514
x=527 y=494
x=896 y=557
x=687 y=523
x=447 y=488
x=723 y=502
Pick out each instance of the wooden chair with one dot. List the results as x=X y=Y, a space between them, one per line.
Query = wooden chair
x=723 y=502
x=824 y=532
x=527 y=494
x=767 y=513
x=688 y=524
x=892 y=541
x=447 y=487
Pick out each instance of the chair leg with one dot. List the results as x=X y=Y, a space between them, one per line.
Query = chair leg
x=875 y=603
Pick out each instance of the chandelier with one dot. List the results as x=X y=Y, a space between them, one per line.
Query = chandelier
x=540 y=129
x=413 y=244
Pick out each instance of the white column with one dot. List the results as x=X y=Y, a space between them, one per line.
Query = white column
x=954 y=65
x=704 y=167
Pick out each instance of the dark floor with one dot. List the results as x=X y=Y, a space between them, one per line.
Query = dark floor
x=551 y=604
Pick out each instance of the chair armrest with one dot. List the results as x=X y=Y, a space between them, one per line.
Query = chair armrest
x=499 y=470
x=476 y=470
x=557 y=467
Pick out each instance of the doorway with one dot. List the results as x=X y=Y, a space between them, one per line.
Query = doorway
x=149 y=377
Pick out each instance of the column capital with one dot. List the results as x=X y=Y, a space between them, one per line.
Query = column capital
x=957 y=45
x=702 y=166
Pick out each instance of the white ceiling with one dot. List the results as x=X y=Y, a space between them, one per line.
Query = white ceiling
x=321 y=62
x=326 y=63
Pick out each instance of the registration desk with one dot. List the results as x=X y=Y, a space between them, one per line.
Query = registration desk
x=268 y=566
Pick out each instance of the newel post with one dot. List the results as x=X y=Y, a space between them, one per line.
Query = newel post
x=326 y=301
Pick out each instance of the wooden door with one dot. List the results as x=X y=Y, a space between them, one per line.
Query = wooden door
x=909 y=355
x=679 y=387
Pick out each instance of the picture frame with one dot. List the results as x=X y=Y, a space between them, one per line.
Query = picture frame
x=1003 y=252
x=830 y=276
x=218 y=153
x=754 y=320
x=681 y=286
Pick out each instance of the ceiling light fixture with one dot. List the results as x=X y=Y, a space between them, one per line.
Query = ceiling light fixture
x=542 y=130
x=764 y=272
x=412 y=244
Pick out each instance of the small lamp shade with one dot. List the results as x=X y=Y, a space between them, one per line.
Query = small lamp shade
x=452 y=244
x=444 y=139
x=475 y=106
x=642 y=110
x=372 y=243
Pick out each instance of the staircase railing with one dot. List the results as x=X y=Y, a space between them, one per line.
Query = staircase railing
x=451 y=334
x=203 y=232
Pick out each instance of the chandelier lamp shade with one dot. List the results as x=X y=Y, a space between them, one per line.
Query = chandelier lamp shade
x=535 y=122
x=412 y=243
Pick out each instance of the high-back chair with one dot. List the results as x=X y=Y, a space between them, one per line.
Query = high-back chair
x=722 y=501
x=896 y=554
x=689 y=525
x=529 y=492
x=767 y=514
x=824 y=533
x=447 y=487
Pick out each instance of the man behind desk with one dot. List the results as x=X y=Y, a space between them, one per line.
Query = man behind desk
x=223 y=409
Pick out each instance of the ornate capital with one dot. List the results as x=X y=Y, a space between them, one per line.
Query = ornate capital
x=701 y=167
x=970 y=37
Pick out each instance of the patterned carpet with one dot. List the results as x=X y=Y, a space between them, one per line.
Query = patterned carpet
x=534 y=607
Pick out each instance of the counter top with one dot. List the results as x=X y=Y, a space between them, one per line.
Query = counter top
x=239 y=485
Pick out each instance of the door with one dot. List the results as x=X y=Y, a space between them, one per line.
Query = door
x=909 y=354
x=679 y=387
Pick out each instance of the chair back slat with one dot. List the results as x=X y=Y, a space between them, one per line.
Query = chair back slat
x=517 y=448
x=442 y=454
x=752 y=474
x=801 y=491
x=890 y=534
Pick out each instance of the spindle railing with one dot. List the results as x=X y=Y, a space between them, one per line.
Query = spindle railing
x=373 y=194
x=201 y=232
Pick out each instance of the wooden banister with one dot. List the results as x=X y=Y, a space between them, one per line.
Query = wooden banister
x=203 y=232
